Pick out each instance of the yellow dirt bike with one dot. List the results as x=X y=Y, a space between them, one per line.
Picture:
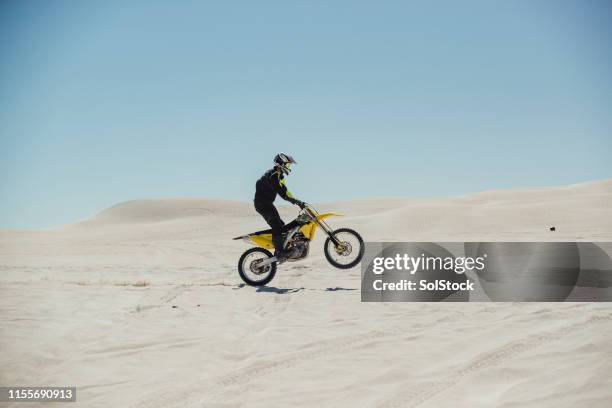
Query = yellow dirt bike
x=343 y=247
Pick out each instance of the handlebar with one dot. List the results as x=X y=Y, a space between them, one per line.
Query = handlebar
x=309 y=209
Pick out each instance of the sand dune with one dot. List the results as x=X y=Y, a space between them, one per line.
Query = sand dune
x=141 y=306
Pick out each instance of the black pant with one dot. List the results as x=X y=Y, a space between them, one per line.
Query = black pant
x=270 y=214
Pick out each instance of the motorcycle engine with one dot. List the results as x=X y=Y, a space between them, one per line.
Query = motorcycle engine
x=298 y=247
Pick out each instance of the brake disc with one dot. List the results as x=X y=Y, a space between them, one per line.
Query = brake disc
x=260 y=270
x=345 y=249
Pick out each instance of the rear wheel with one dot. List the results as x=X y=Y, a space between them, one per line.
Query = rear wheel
x=250 y=272
x=348 y=253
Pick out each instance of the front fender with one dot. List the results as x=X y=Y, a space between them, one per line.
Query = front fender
x=327 y=215
x=310 y=228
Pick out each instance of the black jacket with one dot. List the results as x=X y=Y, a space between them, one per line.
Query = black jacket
x=269 y=185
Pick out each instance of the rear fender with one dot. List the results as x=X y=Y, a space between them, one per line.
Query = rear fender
x=262 y=240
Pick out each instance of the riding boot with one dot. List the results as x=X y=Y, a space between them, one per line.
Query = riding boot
x=278 y=241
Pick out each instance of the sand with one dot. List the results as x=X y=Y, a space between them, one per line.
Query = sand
x=142 y=306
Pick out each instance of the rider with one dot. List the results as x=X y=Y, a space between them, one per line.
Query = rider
x=267 y=187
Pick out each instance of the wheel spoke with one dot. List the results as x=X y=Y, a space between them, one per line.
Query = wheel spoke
x=348 y=251
x=251 y=272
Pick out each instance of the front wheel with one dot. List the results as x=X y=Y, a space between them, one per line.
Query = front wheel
x=250 y=272
x=348 y=253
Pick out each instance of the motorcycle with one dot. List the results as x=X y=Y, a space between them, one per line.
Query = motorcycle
x=343 y=247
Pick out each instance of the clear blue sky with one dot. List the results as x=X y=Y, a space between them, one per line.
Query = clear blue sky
x=107 y=101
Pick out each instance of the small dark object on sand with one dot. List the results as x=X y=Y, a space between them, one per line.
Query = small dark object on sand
x=553 y=229
x=174 y=306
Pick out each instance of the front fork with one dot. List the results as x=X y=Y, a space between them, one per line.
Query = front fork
x=329 y=233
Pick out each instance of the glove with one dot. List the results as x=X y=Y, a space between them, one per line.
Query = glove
x=300 y=204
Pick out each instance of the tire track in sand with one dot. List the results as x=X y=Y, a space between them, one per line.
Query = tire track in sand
x=193 y=393
x=326 y=347
x=425 y=392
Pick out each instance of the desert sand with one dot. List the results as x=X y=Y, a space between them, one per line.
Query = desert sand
x=142 y=306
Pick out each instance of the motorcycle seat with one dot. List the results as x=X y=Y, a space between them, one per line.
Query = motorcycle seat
x=286 y=228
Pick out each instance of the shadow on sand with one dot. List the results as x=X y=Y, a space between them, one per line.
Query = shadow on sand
x=278 y=291
x=338 y=288
x=282 y=291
